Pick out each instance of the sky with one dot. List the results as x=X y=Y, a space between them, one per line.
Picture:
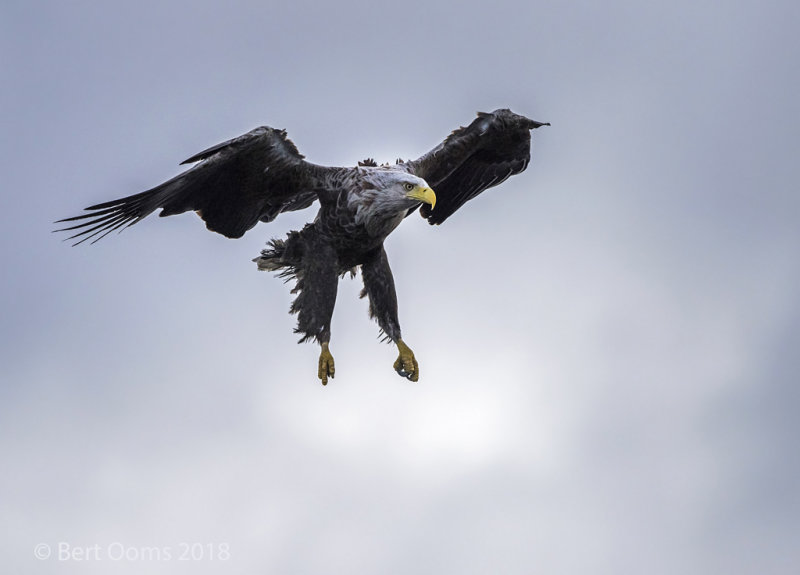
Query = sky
x=608 y=342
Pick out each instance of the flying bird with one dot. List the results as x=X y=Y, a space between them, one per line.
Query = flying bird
x=259 y=175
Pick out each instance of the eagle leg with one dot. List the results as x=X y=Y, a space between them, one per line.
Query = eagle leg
x=379 y=286
x=406 y=364
x=310 y=259
x=326 y=368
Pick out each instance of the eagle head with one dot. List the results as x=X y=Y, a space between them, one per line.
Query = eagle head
x=386 y=194
x=395 y=190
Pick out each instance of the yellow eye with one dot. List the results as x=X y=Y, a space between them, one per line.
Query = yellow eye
x=408 y=187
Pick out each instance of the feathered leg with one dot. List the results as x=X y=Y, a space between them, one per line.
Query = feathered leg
x=313 y=263
x=317 y=284
x=379 y=286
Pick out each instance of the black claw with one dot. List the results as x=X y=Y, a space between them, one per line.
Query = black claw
x=403 y=373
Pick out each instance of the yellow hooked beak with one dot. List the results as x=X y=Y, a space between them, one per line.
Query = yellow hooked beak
x=423 y=195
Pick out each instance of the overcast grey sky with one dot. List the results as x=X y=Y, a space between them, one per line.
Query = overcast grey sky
x=608 y=342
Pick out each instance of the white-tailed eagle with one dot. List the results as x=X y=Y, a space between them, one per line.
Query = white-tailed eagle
x=261 y=174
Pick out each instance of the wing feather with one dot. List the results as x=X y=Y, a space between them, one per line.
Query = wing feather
x=470 y=160
x=237 y=183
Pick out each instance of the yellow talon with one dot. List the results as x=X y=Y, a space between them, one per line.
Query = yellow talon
x=406 y=364
x=326 y=367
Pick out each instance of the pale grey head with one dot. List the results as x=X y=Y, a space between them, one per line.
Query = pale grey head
x=387 y=193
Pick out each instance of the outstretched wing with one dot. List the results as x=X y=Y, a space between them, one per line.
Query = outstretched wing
x=237 y=183
x=472 y=159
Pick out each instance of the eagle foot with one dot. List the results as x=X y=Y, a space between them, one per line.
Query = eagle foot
x=326 y=368
x=406 y=364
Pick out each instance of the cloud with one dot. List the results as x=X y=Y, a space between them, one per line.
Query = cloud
x=606 y=341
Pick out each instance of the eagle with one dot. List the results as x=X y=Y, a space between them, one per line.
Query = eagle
x=259 y=175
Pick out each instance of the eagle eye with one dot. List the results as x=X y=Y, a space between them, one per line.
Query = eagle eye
x=408 y=186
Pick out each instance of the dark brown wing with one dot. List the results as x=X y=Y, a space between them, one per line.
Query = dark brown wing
x=238 y=183
x=472 y=159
